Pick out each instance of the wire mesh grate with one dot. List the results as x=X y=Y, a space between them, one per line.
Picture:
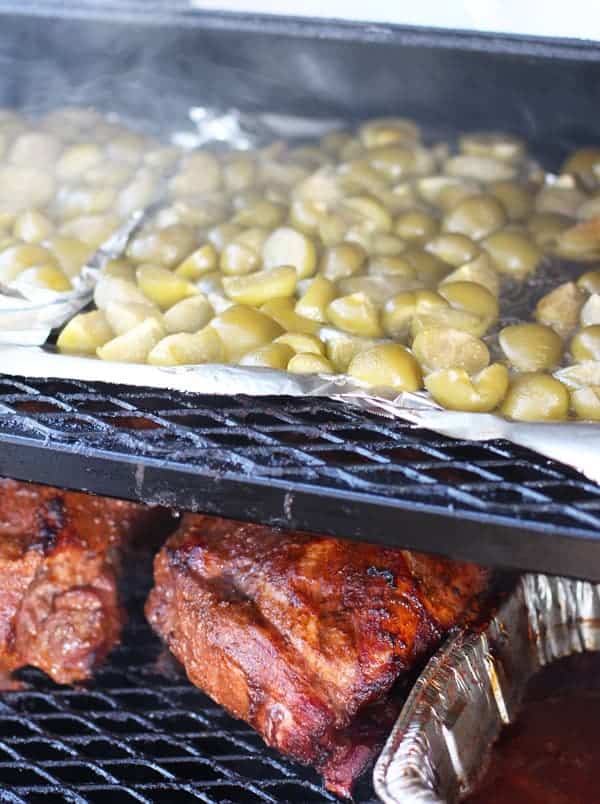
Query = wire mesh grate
x=282 y=437
x=139 y=733
x=293 y=462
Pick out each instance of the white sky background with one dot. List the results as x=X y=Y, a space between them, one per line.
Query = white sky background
x=579 y=19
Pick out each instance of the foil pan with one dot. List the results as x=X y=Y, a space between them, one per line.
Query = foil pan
x=474 y=686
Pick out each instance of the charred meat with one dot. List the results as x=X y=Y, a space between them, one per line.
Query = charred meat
x=60 y=559
x=305 y=637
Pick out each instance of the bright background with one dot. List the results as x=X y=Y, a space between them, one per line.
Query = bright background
x=567 y=18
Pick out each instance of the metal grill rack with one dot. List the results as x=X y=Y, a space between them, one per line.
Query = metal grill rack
x=303 y=463
x=137 y=734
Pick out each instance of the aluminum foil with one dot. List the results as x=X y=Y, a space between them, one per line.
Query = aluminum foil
x=29 y=322
x=29 y=314
x=242 y=130
x=474 y=685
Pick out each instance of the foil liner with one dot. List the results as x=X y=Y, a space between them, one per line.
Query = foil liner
x=243 y=130
x=26 y=322
x=29 y=322
x=474 y=685
x=28 y=314
x=576 y=444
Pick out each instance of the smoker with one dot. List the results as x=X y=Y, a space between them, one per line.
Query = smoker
x=142 y=734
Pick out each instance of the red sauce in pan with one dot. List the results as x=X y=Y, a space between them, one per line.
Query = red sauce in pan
x=551 y=755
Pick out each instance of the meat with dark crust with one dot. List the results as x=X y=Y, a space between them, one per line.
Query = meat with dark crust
x=305 y=636
x=60 y=556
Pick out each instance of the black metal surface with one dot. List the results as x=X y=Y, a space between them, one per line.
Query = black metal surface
x=137 y=735
x=155 y=59
x=300 y=463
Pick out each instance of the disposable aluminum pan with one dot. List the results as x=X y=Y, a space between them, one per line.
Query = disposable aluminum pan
x=474 y=686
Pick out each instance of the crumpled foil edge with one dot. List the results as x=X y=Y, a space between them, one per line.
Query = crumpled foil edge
x=474 y=685
x=576 y=444
x=30 y=320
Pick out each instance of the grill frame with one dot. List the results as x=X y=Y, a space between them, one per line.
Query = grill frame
x=308 y=464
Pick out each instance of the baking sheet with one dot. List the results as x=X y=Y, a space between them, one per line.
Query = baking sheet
x=26 y=326
x=474 y=685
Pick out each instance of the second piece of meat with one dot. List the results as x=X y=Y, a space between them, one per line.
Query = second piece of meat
x=304 y=636
x=60 y=559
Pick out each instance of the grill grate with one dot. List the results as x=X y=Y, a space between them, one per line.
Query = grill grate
x=137 y=734
x=305 y=463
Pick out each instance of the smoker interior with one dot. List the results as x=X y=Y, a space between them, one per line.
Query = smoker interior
x=153 y=60
x=137 y=734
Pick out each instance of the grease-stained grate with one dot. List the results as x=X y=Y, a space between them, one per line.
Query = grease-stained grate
x=305 y=463
x=135 y=734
